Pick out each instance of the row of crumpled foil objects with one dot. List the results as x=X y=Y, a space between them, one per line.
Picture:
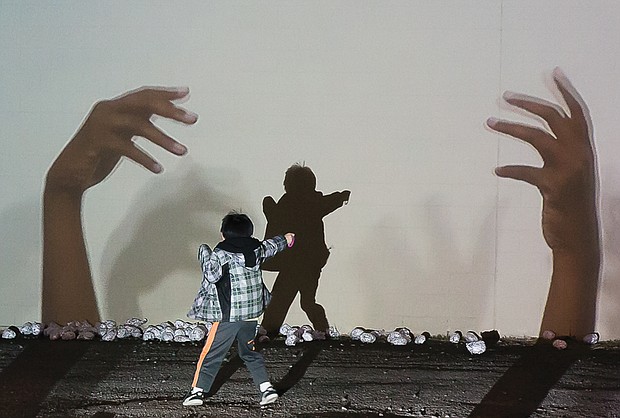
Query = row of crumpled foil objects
x=177 y=331
x=182 y=331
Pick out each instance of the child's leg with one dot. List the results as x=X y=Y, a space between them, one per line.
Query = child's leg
x=216 y=347
x=254 y=362
x=253 y=359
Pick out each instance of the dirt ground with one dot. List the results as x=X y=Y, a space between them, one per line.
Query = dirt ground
x=336 y=378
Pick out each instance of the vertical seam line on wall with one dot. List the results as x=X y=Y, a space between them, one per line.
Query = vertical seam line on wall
x=497 y=142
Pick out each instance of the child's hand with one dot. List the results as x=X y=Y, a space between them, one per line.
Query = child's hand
x=290 y=239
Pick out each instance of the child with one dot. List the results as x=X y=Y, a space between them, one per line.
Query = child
x=232 y=297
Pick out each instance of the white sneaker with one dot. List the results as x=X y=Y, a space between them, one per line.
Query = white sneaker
x=269 y=396
x=194 y=399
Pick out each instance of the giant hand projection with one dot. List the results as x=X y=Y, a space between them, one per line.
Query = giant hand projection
x=567 y=182
x=96 y=149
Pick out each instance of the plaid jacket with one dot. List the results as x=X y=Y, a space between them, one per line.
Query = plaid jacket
x=246 y=283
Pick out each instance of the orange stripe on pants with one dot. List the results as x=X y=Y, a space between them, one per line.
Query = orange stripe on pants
x=205 y=351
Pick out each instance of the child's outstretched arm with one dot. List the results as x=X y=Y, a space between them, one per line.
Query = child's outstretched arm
x=272 y=246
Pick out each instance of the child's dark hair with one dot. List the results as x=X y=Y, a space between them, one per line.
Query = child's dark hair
x=236 y=225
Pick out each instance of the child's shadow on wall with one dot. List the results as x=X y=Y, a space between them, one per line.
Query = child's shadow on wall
x=300 y=210
x=169 y=217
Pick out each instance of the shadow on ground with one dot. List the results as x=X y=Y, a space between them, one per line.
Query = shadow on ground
x=132 y=378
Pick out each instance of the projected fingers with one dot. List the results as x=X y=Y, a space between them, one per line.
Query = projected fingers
x=107 y=134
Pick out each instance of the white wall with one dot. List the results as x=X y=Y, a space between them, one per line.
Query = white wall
x=386 y=99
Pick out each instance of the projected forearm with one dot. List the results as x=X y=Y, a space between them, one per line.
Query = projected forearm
x=567 y=182
x=89 y=157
